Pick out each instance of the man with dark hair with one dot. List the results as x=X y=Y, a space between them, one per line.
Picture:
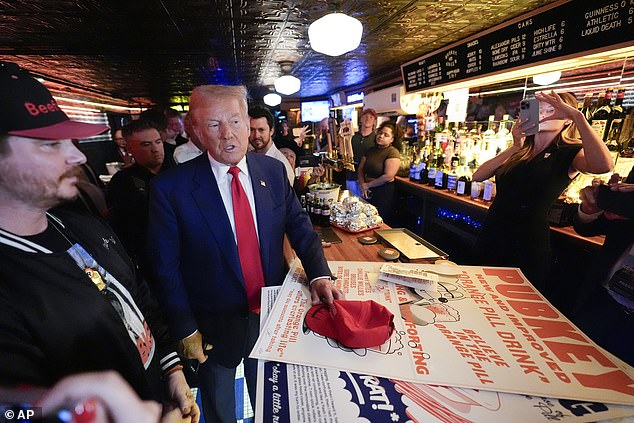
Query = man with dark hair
x=159 y=121
x=121 y=152
x=127 y=192
x=285 y=139
x=174 y=127
x=70 y=301
x=261 y=138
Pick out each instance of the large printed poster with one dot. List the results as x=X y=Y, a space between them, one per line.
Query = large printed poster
x=301 y=394
x=484 y=329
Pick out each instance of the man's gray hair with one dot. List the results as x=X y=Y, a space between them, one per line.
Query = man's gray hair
x=203 y=93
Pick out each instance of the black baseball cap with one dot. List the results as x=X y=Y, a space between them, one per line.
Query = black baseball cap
x=28 y=109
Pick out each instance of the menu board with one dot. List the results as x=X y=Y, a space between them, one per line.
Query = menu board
x=567 y=29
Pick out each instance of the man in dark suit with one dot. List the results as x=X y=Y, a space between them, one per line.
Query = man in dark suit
x=208 y=286
x=601 y=312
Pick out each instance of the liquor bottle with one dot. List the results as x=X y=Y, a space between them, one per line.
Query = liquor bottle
x=324 y=207
x=615 y=121
x=422 y=175
x=309 y=205
x=455 y=160
x=325 y=213
x=504 y=136
x=302 y=201
x=586 y=108
x=317 y=211
x=488 y=141
x=452 y=180
x=464 y=182
x=433 y=165
x=602 y=114
x=440 y=154
x=412 y=171
x=440 y=181
x=448 y=154
x=413 y=167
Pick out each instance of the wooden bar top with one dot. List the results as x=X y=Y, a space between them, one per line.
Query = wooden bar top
x=480 y=207
x=352 y=250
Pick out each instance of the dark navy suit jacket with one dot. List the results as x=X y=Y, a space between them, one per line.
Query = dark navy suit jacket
x=194 y=257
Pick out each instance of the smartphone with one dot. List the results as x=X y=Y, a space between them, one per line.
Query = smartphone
x=529 y=115
x=621 y=203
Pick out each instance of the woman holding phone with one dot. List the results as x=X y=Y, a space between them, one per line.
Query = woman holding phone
x=530 y=175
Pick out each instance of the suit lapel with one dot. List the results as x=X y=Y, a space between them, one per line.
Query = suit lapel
x=263 y=205
x=208 y=199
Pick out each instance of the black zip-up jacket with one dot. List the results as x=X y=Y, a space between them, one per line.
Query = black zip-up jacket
x=55 y=322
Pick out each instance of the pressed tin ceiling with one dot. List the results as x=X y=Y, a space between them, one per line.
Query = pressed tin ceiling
x=154 y=50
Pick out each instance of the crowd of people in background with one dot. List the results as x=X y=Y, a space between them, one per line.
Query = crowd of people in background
x=164 y=263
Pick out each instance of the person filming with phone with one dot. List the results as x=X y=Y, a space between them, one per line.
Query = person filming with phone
x=549 y=149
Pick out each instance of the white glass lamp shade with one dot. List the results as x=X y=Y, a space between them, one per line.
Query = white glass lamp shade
x=287 y=84
x=335 y=34
x=547 y=78
x=272 y=99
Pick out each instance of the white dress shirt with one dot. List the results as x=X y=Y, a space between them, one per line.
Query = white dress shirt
x=277 y=154
x=186 y=152
x=223 y=178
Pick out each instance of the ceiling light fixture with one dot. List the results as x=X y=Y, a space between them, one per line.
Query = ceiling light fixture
x=287 y=84
x=272 y=99
x=335 y=34
x=547 y=78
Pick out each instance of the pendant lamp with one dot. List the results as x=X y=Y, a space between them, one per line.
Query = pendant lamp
x=272 y=99
x=287 y=84
x=335 y=34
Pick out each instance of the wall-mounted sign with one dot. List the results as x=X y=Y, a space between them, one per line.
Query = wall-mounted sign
x=354 y=97
x=567 y=29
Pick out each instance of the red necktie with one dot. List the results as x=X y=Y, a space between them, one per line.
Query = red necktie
x=248 y=247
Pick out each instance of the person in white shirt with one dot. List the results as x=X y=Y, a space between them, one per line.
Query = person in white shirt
x=174 y=130
x=192 y=148
x=261 y=137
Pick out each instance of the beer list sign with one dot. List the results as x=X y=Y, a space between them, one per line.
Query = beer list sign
x=564 y=30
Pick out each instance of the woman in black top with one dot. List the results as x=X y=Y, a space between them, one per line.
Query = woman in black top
x=530 y=176
x=378 y=168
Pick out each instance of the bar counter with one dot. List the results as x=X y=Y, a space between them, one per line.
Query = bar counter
x=478 y=208
x=349 y=249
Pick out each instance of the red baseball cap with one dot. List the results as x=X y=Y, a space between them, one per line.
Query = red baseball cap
x=355 y=324
x=28 y=109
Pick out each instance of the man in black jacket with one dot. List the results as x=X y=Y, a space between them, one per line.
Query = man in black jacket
x=70 y=301
x=128 y=191
x=602 y=311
